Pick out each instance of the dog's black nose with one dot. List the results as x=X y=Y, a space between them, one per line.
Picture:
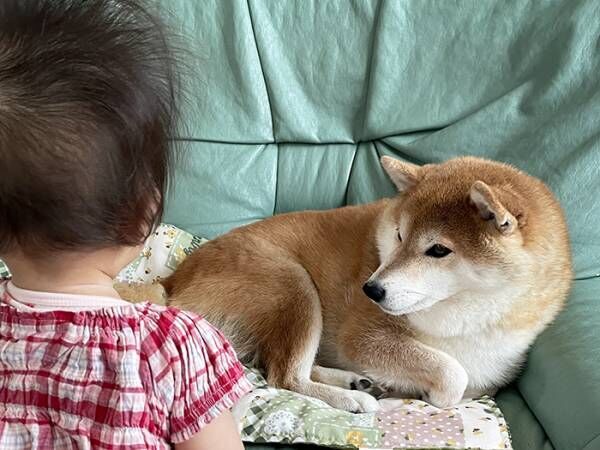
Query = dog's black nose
x=374 y=291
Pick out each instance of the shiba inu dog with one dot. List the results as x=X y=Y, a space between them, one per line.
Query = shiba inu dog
x=437 y=292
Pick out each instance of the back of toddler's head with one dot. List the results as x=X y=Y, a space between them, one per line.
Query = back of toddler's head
x=86 y=111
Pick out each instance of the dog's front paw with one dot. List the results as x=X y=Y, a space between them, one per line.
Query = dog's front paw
x=360 y=402
x=361 y=384
x=451 y=386
x=366 y=385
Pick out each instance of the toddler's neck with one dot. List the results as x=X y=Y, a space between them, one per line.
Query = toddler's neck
x=89 y=273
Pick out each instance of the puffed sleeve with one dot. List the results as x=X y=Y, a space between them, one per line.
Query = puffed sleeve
x=207 y=376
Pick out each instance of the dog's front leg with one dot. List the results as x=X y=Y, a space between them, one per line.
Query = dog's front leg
x=391 y=357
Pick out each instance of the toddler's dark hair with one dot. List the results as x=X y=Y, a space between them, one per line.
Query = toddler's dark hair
x=87 y=106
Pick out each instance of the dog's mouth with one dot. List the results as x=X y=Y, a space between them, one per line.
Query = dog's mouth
x=401 y=311
x=391 y=312
x=407 y=303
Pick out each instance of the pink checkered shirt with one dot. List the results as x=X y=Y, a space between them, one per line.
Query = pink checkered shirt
x=118 y=376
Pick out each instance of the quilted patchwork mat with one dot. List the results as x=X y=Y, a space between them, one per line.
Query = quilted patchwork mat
x=269 y=415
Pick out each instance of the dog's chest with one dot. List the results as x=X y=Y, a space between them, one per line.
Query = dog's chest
x=490 y=359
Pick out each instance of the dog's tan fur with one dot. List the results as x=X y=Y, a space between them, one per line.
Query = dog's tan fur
x=288 y=290
x=139 y=292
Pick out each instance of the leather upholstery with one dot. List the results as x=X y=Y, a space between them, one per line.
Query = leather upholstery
x=290 y=104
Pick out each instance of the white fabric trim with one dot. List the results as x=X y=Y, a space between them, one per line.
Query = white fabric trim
x=52 y=301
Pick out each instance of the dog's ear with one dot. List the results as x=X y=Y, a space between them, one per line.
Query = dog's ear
x=404 y=175
x=491 y=208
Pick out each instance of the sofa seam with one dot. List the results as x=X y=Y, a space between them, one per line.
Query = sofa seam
x=220 y=141
x=370 y=68
x=590 y=277
x=350 y=173
x=536 y=417
x=397 y=152
x=300 y=142
x=591 y=441
x=262 y=69
x=276 y=178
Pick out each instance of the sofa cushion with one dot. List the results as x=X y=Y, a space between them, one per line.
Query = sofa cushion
x=279 y=84
x=561 y=382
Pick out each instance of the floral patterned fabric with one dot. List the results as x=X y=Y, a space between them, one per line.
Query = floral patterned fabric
x=163 y=252
x=278 y=416
x=270 y=415
x=4 y=272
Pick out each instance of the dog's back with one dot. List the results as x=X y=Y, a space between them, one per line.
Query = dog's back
x=253 y=271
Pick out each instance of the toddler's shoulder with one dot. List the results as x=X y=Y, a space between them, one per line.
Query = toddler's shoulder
x=177 y=333
x=195 y=370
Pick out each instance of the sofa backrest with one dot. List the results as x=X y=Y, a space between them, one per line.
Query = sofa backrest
x=290 y=104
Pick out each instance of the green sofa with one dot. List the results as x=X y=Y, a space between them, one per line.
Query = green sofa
x=291 y=103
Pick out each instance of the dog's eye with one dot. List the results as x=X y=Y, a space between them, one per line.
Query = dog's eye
x=399 y=237
x=438 y=251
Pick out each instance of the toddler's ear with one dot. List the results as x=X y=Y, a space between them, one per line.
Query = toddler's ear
x=141 y=292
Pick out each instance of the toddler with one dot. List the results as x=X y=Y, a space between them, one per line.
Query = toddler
x=87 y=102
